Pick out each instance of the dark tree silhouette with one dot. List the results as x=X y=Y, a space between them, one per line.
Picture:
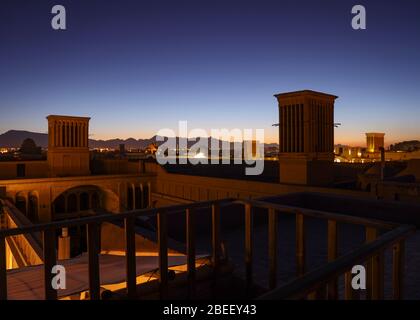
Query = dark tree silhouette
x=29 y=147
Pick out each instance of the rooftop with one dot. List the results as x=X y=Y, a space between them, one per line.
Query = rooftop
x=304 y=92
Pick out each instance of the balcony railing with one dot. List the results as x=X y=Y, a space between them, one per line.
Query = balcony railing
x=321 y=283
x=26 y=248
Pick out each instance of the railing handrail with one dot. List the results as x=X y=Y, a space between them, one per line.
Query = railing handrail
x=34 y=240
x=109 y=217
x=343 y=218
x=311 y=281
x=223 y=202
x=20 y=219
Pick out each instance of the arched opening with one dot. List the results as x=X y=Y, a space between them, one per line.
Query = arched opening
x=139 y=200
x=60 y=204
x=95 y=201
x=146 y=196
x=33 y=208
x=84 y=201
x=72 y=203
x=129 y=197
x=20 y=204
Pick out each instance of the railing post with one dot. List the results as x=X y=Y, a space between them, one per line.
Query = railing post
x=380 y=260
x=332 y=255
x=318 y=294
x=398 y=258
x=215 y=232
x=216 y=245
x=300 y=244
x=375 y=269
x=163 y=253
x=93 y=251
x=248 y=246
x=130 y=257
x=215 y=235
x=50 y=260
x=272 y=247
x=190 y=222
x=3 y=271
x=63 y=245
x=349 y=292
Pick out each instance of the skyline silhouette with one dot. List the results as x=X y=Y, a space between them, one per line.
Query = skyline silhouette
x=139 y=67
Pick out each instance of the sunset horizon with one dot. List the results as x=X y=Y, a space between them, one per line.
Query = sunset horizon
x=205 y=159
x=186 y=67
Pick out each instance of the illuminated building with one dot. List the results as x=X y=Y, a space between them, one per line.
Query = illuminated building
x=374 y=141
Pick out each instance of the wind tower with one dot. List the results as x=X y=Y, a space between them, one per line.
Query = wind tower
x=306 y=137
x=68 y=146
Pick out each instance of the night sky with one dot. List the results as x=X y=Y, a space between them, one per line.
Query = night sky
x=138 y=66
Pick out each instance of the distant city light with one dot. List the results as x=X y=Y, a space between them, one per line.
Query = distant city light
x=200 y=155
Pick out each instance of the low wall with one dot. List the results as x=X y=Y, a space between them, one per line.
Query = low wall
x=199 y=188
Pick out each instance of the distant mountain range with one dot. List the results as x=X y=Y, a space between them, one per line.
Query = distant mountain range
x=14 y=139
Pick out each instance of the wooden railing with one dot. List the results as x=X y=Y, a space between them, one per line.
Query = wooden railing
x=26 y=248
x=321 y=283
x=93 y=230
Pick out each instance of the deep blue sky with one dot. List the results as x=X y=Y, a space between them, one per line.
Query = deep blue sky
x=138 y=66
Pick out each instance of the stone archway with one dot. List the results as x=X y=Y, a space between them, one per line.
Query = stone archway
x=80 y=201
x=138 y=196
x=85 y=199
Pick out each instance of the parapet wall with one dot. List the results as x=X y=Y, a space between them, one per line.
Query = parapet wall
x=199 y=188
